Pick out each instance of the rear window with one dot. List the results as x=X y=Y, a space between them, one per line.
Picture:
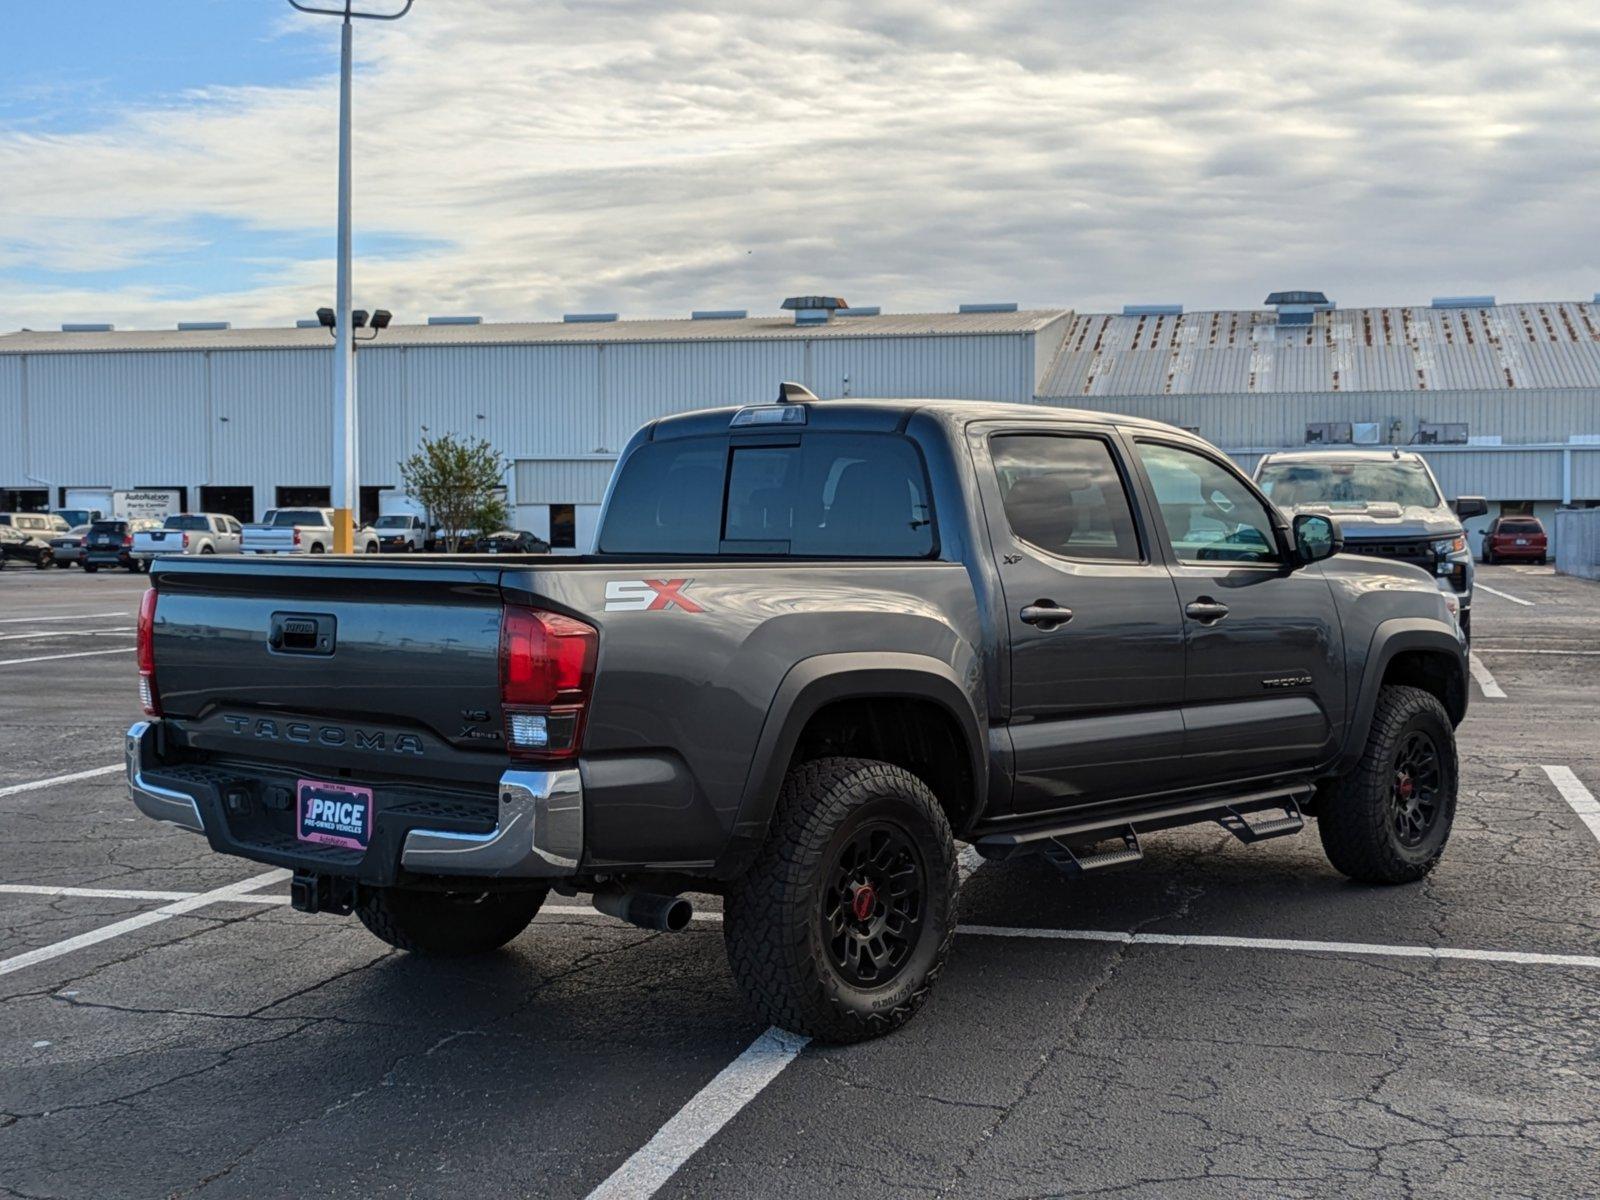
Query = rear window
x=1523 y=526
x=188 y=523
x=296 y=516
x=109 y=527
x=831 y=495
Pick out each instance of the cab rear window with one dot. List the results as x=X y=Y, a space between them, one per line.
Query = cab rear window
x=825 y=495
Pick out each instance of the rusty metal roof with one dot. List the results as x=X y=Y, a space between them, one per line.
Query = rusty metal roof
x=1499 y=347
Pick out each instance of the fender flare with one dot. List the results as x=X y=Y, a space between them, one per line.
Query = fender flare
x=813 y=683
x=1395 y=636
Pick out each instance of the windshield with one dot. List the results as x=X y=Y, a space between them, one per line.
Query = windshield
x=393 y=522
x=1352 y=484
x=296 y=516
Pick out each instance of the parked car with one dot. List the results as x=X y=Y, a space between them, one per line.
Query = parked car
x=110 y=543
x=189 y=533
x=1515 y=539
x=67 y=550
x=509 y=541
x=46 y=525
x=25 y=546
x=79 y=516
x=401 y=533
x=817 y=642
x=1389 y=506
x=300 y=531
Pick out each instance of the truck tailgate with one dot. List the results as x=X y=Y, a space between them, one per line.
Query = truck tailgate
x=342 y=666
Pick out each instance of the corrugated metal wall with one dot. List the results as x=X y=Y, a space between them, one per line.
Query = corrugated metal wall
x=562 y=481
x=260 y=418
x=1280 y=420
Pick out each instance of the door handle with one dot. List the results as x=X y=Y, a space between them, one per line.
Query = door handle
x=1045 y=614
x=1206 y=611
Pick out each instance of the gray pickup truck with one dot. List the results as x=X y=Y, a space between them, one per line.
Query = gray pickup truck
x=818 y=642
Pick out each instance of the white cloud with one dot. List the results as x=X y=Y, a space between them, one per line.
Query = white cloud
x=651 y=158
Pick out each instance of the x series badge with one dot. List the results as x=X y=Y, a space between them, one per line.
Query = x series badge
x=648 y=595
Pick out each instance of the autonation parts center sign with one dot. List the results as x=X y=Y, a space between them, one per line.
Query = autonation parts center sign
x=152 y=502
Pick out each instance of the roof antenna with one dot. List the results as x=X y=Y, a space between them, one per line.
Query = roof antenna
x=794 y=393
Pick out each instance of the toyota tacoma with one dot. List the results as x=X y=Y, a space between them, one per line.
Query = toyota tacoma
x=817 y=643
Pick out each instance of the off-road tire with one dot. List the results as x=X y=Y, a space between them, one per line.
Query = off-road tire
x=773 y=920
x=447 y=924
x=1355 y=814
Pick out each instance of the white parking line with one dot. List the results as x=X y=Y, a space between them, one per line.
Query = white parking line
x=140 y=921
x=1518 y=957
x=16 y=789
x=1484 y=587
x=17 y=662
x=1579 y=797
x=698 y=1121
x=63 y=633
x=75 y=617
x=38 y=889
x=1491 y=689
x=1519 y=650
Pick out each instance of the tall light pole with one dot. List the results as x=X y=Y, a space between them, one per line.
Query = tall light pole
x=346 y=492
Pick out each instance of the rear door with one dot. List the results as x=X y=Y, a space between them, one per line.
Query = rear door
x=1096 y=639
x=1265 y=674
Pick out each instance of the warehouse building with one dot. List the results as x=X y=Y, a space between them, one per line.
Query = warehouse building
x=1503 y=399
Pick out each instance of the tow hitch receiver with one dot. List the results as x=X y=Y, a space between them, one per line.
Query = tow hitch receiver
x=1059 y=854
x=1235 y=823
x=309 y=893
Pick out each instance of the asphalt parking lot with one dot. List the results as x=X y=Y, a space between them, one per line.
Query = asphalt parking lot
x=1219 y=1021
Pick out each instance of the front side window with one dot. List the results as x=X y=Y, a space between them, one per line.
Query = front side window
x=1065 y=496
x=1210 y=515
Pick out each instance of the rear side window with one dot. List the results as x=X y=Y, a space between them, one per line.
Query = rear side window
x=1065 y=496
x=824 y=495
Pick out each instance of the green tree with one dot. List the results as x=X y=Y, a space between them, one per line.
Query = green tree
x=455 y=479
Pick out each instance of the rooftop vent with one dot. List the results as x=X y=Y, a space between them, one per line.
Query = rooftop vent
x=1463 y=302
x=588 y=318
x=1297 y=308
x=455 y=320
x=999 y=306
x=719 y=314
x=197 y=326
x=814 y=310
x=865 y=310
x=1152 y=310
x=86 y=328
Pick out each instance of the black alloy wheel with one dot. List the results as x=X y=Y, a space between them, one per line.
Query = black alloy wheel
x=874 y=903
x=1414 y=799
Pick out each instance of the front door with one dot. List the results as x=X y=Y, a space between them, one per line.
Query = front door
x=1096 y=641
x=1265 y=670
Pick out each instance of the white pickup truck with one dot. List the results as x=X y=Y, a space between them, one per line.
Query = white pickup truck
x=301 y=531
x=186 y=533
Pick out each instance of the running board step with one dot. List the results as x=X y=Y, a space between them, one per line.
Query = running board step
x=1060 y=855
x=1290 y=823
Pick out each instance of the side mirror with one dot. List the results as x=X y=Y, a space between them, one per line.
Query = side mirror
x=1468 y=507
x=1316 y=538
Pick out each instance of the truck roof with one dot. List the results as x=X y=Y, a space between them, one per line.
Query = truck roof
x=890 y=414
x=1342 y=455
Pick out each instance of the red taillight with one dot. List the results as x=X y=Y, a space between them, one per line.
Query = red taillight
x=297 y=535
x=186 y=541
x=149 y=700
x=546 y=674
x=127 y=539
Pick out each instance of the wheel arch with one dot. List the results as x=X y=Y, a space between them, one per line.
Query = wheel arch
x=1415 y=652
x=897 y=693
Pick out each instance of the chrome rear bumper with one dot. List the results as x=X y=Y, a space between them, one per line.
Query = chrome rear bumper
x=538 y=830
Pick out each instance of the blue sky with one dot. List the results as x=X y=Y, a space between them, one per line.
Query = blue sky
x=167 y=160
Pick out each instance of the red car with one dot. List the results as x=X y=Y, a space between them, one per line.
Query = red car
x=1511 y=539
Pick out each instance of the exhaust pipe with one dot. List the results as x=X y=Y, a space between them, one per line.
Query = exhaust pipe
x=647 y=910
